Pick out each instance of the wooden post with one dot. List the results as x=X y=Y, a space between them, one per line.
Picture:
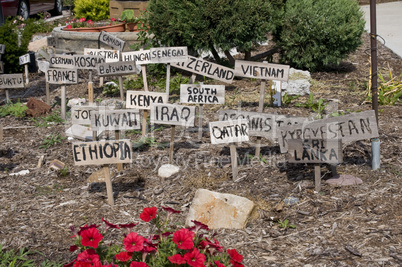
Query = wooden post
x=260 y=109
x=101 y=80
x=94 y=135
x=145 y=114
x=26 y=75
x=233 y=158
x=109 y=188
x=271 y=92
x=47 y=94
x=7 y=96
x=90 y=89
x=144 y=76
x=192 y=78
x=63 y=102
x=117 y=137
x=172 y=133
x=168 y=79
x=121 y=88
x=317 y=177
x=200 y=115
x=144 y=123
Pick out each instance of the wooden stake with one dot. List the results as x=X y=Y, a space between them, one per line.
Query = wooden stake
x=109 y=188
x=90 y=89
x=172 y=133
x=94 y=135
x=26 y=75
x=47 y=93
x=271 y=92
x=63 y=102
x=233 y=158
x=117 y=137
x=168 y=79
x=144 y=123
x=260 y=109
x=7 y=97
x=144 y=77
x=121 y=88
x=317 y=177
x=192 y=78
x=101 y=80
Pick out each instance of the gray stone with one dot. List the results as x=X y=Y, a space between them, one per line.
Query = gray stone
x=344 y=179
x=118 y=104
x=219 y=210
x=298 y=83
x=168 y=170
x=291 y=201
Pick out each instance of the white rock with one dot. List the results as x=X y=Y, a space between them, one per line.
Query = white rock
x=168 y=170
x=298 y=83
x=219 y=210
x=20 y=173
x=76 y=101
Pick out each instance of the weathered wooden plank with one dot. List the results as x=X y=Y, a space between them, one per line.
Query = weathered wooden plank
x=143 y=100
x=140 y=57
x=25 y=59
x=172 y=114
x=233 y=131
x=348 y=128
x=169 y=54
x=116 y=68
x=108 y=55
x=62 y=61
x=258 y=70
x=207 y=69
x=88 y=62
x=102 y=152
x=82 y=114
x=111 y=40
x=11 y=81
x=202 y=94
x=61 y=76
x=124 y=119
x=315 y=151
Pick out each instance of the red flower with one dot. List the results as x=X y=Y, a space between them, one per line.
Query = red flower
x=138 y=264
x=81 y=20
x=236 y=264
x=170 y=210
x=219 y=264
x=203 y=244
x=113 y=19
x=236 y=257
x=194 y=258
x=128 y=225
x=73 y=248
x=91 y=237
x=215 y=245
x=108 y=224
x=90 y=22
x=199 y=225
x=177 y=259
x=82 y=264
x=124 y=256
x=183 y=238
x=69 y=27
x=148 y=214
x=88 y=255
x=133 y=242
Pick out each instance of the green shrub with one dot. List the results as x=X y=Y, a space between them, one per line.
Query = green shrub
x=316 y=33
x=91 y=9
x=17 y=110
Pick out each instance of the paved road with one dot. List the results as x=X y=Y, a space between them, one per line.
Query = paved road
x=389 y=24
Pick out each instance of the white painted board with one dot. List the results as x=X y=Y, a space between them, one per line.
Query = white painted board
x=225 y=132
x=107 y=55
x=11 y=81
x=259 y=70
x=124 y=119
x=202 y=94
x=171 y=114
x=143 y=99
x=61 y=76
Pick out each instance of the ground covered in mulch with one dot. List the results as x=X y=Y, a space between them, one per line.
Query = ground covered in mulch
x=340 y=226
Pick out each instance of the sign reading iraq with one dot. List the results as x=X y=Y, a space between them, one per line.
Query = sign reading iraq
x=144 y=100
x=172 y=114
x=314 y=151
x=11 y=81
x=225 y=132
x=157 y=55
x=266 y=71
x=124 y=119
x=348 y=128
x=202 y=94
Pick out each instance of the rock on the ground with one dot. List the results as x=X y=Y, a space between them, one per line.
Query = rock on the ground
x=76 y=101
x=37 y=107
x=344 y=179
x=219 y=210
x=298 y=83
x=118 y=104
x=168 y=170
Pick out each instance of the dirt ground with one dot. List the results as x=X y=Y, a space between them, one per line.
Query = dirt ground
x=340 y=226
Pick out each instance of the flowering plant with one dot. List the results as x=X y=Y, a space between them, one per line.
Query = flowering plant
x=189 y=246
x=82 y=22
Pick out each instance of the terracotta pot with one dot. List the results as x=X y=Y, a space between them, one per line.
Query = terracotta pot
x=94 y=29
x=114 y=28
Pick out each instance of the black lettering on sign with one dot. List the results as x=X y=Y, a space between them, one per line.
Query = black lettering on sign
x=116 y=68
x=144 y=100
x=233 y=131
x=62 y=61
x=202 y=94
x=82 y=114
x=87 y=61
x=266 y=71
x=107 y=55
x=314 y=151
x=11 y=81
x=111 y=40
x=172 y=114
x=127 y=119
x=61 y=76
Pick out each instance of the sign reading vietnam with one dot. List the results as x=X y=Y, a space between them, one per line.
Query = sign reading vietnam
x=266 y=71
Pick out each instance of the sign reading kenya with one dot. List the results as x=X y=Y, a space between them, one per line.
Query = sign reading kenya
x=172 y=114
x=124 y=119
x=207 y=69
x=116 y=68
x=107 y=55
x=157 y=55
x=102 y=152
x=261 y=124
x=25 y=59
x=224 y=132
x=315 y=151
x=61 y=76
x=111 y=40
x=11 y=81
x=83 y=114
x=143 y=100
x=267 y=71
x=348 y=128
x=202 y=94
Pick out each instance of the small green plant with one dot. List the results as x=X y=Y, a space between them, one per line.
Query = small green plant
x=51 y=140
x=389 y=92
x=17 y=110
x=98 y=100
x=287 y=99
x=111 y=89
x=285 y=224
x=260 y=158
x=175 y=83
x=64 y=172
x=145 y=142
x=128 y=16
x=134 y=83
x=14 y=258
x=52 y=118
x=316 y=106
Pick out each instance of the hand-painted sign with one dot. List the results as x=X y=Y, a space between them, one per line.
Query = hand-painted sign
x=207 y=69
x=111 y=40
x=261 y=124
x=108 y=55
x=11 y=81
x=202 y=94
x=43 y=65
x=102 y=152
x=157 y=55
x=140 y=57
x=125 y=119
x=314 y=151
x=143 y=100
x=224 y=132
x=61 y=76
x=172 y=114
x=25 y=59
x=266 y=71
x=62 y=61
x=116 y=68
x=348 y=128
x=83 y=114
x=87 y=61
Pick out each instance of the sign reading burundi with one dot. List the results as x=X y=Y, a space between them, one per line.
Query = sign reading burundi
x=266 y=71
x=224 y=132
x=11 y=81
x=202 y=94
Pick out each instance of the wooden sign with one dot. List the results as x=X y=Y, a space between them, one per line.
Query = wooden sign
x=83 y=114
x=61 y=76
x=102 y=152
x=25 y=59
x=62 y=61
x=2 y=48
x=125 y=119
x=111 y=40
x=140 y=57
x=116 y=68
x=80 y=132
x=266 y=71
x=11 y=81
x=43 y=65
x=207 y=69
x=168 y=54
x=225 y=132
x=261 y=124
x=87 y=61
x=172 y=114
x=107 y=55
x=315 y=151
x=348 y=128
x=202 y=94
x=144 y=100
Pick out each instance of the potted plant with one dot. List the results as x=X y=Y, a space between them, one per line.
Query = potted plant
x=130 y=19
